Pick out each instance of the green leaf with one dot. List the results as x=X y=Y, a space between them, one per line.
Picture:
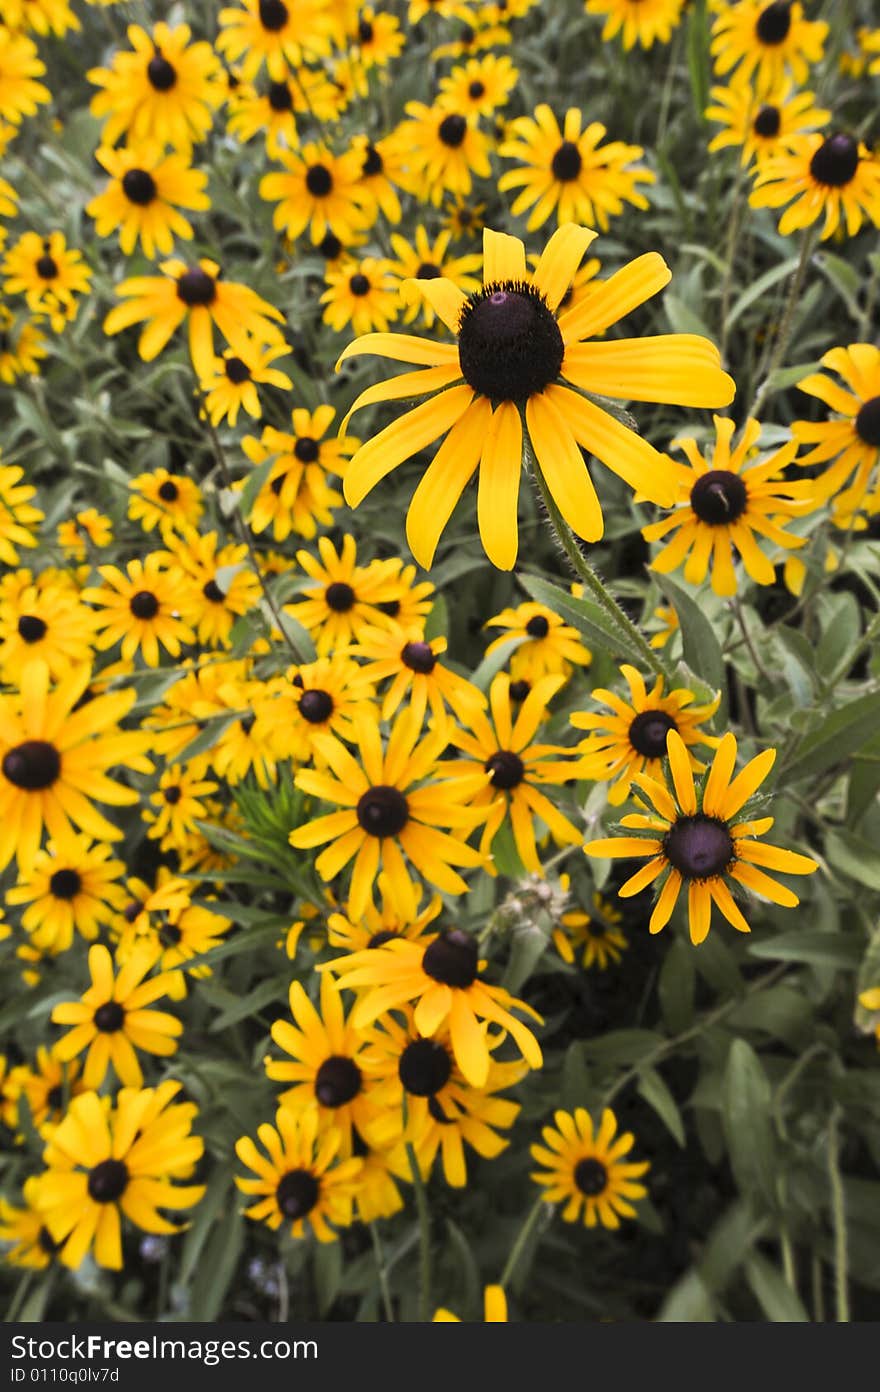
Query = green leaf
x=776 y=1298
x=748 y=1127
x=841 y=627
x=327 y=1267
x=492 y=664
x=251 y=1004
x=576 y=1088
x=814 y=948
x=437 y=622
x=698 y=59
x=856 y=857
x=622 y=1046
x=682 y=318
x=597 y=626
x=655 y=1092
x=208 y=736
x=689 y=1302
x=700 y=645
x=252 y=485
x=844 y=277
x=216 y=1271
x=528 y=945
x=675 y=987
x=216 y=1200
x=297 y=636
x=505 y=855
x=841 y=734
x=759 y=288
x=864 y=783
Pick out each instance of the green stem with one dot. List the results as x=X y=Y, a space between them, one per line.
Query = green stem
x=838 y=1214
x=780 y=340
x=424 y=1234
x=539 y=1210
x=585 y=572
x=747 y=639
x=381 y=1271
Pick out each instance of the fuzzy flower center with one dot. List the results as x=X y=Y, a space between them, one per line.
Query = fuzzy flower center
x=319 y=180
x=699 y=847
x=109 y=1017
x=507 y=769
x=452 y=131
x=279 y=95
x=424 y=1067
x=65 y=884
x=359 y=284
x=867 y=423
x=538 y=626
x=144 y=605
x=168 y=491
x=373 y=162
x=509 y=344
x=31 y=628
x=591 y=1177
x=382 y=811
x=337 y=1081
x=196 y=288
x=297 y=1193
x=647 y=733
x=316 y=706
x=452 y=959
x=47 y=267
x=340 y=597
x=566 y=163
x=773 y=24
x=139 y=187
x=108 y=1181
x=419 y=657
x=160 y=73
x=32 y=766
x=835 y=162
x=237 y=371
x=273 y=15
x=719 y=497
x=767 y=121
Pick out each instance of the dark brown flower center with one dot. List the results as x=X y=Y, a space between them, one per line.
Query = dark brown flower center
x=519 y=690
x=237 y=371
x=337 y=1081
x=424 y=1067
x=144 y=605
x=477 y=89
x=365 y=31
x=509 y=344
x=867 y=424
x=383 y=936
x=537 y=626
x=507 y=769
x=359 y=285
x=139 y=187
x=419 y=657
x=196 y=288
x=47 y=267
x=340 y=597
x=47 y=1243
x=33 y=765
x=109 y=1017
x=280 y=98
x=108 y=1181
x=382 y=811
x=719 y=497
x=427 y=270
x=160 y=73
x=169 y=934
x=836 y=161
x=31 y=628
x=306 y=449
x=373 y=162
x=172 y=795
x=212 y=591
x=319 y=180
x=316 y=706
x=566 y=163
x=452 y=959
x=647 y=733
x=591 y=1177
x=330 y=246
x=452 y=131
x=168 y=491
x=391 y=607
x=273 y=15
x=132 y=910
x=297 y=1193
x=699 y=847
x=767 y=121
x=65 y=884
x=774 y=23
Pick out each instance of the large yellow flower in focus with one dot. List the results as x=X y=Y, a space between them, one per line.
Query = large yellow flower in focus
x=509 y=354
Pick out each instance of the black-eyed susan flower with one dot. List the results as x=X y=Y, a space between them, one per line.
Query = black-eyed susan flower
x=494 y=1308
x=637 y=21
x=26 y=1238
x=147 y=905
x=111 y=1022
x=300 y=1180
x=633 y=738
x=22 y=347
x=481 y=85
x=44 y=622
x=567 y=170
x=392 y=812
x=349 y=932
x=318 y=190
x=20 y=66
x=411 y=663
x=849 y=441
x=724 y=504
x=199 y=292
x=55 y=751
x=49 y=274
x=505 y=747
x=414 y=599
x=345 y=597
x=761 y=128
x=325 y=696
x=441 y=977
x=509 y=352
x=233 y=383
x=361 y=294
x=19 y=519
x=378 y=37
x=72 y=886
x=446 y=150
x=584 y=1167
x=272 y=32
x=592 y=937
x=425 y=260
x=698 y=843
x=45 y=1089
x=325 y=1064
x=835 y=177
x=166 y=90
x=222 y=587
x=169 y=502
x=270 y=114
x=444 y=1112
x=140 y=204
x=40 y=16
x=296 y=496
x=179 y=801
x=765 y=43
x=105 y=1162
x=86 y=528
x=180 y=935
x=549 y=646
x=140 y=608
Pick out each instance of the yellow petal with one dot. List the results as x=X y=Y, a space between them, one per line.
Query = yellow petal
x=498 y=490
